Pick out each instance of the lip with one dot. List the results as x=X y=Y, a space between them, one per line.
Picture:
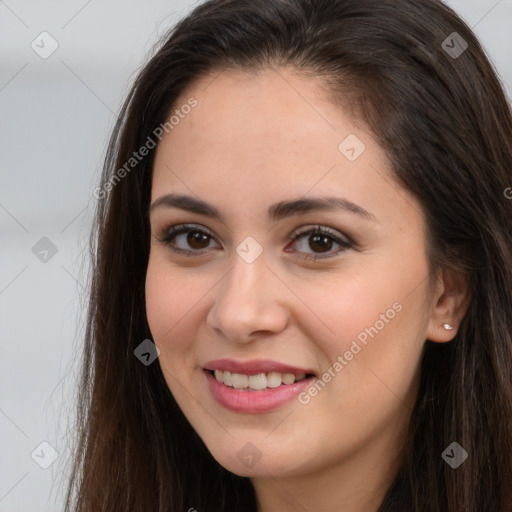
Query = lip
x=254 y=366
x=254 y=401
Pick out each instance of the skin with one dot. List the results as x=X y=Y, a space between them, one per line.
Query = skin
x=254 y=140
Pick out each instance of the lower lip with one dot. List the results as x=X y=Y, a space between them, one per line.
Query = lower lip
x=254 y=401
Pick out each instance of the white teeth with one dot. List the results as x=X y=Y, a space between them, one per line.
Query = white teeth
x=257 y=382
x=239 y=381
x=288 y=378
x=273 y=379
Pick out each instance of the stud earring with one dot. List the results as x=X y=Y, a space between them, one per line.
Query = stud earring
x=448 y=327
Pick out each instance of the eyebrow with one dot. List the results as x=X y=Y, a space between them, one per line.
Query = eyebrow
x=276 y=211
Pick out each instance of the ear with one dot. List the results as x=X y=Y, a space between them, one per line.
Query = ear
x=449 y=304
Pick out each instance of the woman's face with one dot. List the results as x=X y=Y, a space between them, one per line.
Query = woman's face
x=267 y=153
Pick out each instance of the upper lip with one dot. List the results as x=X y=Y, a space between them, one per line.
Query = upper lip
x=254 y=366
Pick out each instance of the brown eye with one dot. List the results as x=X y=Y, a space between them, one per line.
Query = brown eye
x=197 y=239
x=319 y=240
x=185 y=239
x=324 y=243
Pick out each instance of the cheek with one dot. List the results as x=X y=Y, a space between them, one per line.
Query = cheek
x=171 y=296
x=172 y=302
x=160 y=301
x=341 y=308
x=374 y=319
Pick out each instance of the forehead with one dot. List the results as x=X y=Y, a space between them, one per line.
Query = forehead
x=260 y=138
x=275 y=105
x=259 y=119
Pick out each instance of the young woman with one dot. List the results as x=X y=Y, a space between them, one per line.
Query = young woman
x=302 y=269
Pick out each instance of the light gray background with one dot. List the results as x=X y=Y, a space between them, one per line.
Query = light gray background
x=56 y=115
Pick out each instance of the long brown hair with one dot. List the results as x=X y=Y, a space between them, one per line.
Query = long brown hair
x=440 y=112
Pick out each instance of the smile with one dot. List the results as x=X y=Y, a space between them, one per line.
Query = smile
x=255 y=386
x=256 y=382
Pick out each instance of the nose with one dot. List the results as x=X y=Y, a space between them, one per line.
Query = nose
x=250 y=303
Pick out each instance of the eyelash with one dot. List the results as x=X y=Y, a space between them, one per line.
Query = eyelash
x=170 y=233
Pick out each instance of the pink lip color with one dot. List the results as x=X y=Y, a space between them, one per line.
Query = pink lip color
x=254 y=401
x=254 y=367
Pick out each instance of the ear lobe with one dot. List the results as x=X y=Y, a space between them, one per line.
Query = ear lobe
x=450 y=303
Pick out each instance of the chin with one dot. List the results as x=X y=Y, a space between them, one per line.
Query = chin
x=248 y=460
